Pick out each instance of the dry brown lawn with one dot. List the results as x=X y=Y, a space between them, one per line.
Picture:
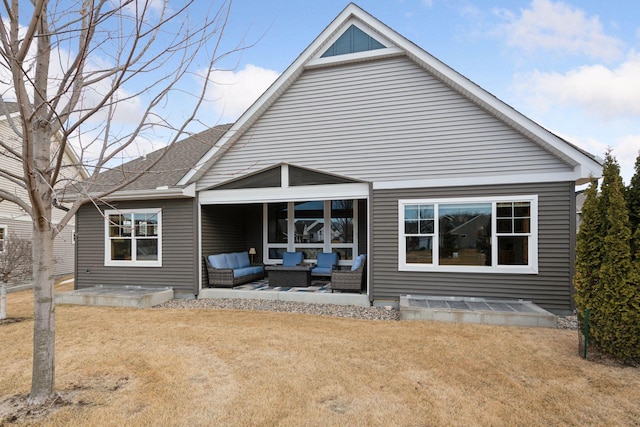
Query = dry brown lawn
x=118 y=367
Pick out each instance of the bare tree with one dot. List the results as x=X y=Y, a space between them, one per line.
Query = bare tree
x=76 y=68
x=16 y=262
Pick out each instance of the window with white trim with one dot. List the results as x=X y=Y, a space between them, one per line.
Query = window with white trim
x=311 y=227
x=482 y=234
x=133 y=237
x=3 y=238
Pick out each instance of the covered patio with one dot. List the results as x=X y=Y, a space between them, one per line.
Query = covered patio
x=284 y=209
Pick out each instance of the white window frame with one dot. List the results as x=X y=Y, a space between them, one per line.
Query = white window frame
x=5 y=237
x=108 y=262
x=327 y=245
x=531 y=268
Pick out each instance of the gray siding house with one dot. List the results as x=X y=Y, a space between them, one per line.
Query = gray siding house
x=368 y=144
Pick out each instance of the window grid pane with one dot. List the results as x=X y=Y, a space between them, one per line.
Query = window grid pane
x=121 y=249
x=513 y=250
x=411 y=227
x=513 y=218
x=419 y=219
x=342 y=221
x=146 y=225
x=134 y=236
x=504 y=225
x=120 y=225
x=513 y=240
x=418 y=229
x=146 y=249
x=419 y=250
x=277 y=223
x=411 y=212
x=308 y=222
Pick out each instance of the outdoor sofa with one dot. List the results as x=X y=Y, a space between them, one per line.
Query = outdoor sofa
x=231 y=269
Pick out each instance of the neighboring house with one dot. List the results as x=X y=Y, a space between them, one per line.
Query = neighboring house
x=370 y=140
x=580 y=198
x=15 y=220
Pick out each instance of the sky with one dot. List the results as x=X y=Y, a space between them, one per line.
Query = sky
x=571 y=66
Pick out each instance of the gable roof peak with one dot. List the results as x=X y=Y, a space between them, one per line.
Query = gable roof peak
x=395 y=45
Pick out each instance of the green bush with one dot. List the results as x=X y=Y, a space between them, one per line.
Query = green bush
x=607 y=275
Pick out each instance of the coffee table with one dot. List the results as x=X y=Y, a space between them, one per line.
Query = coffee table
x=284 y=276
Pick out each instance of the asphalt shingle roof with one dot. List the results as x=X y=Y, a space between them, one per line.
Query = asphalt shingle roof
x=179 y=158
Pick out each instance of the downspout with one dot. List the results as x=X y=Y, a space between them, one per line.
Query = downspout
x=198 y=208
x=370 y=243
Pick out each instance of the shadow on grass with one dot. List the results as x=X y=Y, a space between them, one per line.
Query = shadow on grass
x=11 y=320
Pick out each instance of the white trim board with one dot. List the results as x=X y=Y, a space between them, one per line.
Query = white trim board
x=285 y=194
x=474 y=181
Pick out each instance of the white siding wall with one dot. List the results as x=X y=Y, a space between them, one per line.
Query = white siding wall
x=382 y=120
x=10 y=211
x=16 y=219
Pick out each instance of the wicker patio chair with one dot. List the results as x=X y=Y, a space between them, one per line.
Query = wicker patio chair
x=350 y=280
x=327 y=262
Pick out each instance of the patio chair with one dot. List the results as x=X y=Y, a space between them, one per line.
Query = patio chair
x=350 y=280
x=327 y=262
x=291 y=259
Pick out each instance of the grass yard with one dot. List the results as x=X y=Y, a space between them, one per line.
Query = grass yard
x=168 y=367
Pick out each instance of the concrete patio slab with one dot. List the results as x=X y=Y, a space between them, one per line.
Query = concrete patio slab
x=116 y=296
x=475 y=310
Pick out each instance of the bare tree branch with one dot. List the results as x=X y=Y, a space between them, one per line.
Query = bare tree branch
x=74 y=66
x=17 y=200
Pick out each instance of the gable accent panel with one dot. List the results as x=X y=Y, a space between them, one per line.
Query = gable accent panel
x=351 y=41
x=378 y=121
x=550 y=288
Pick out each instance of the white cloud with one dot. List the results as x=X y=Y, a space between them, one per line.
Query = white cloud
x=597 y=89
x=231 y=93
x=556 y=26
x=591 y=145
x=625 y=149
x=626 y=152
x=153 y=7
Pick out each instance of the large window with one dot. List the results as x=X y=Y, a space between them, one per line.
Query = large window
x=311 y=227
x=474 y=235
x=308 y=228
x=3 y=237
x=133 y=238
x=277 y=229
x=342 y=232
